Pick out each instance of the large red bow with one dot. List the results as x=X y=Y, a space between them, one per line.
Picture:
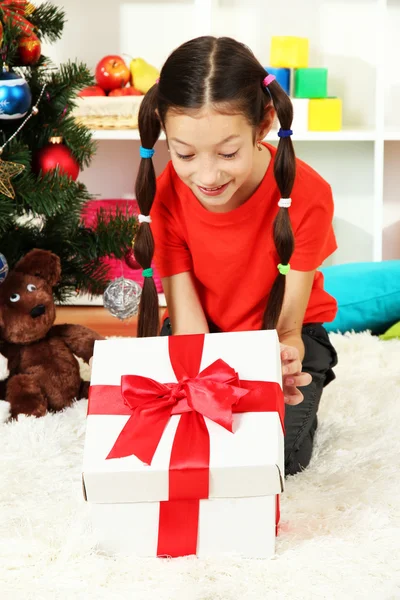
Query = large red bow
x=214 y=393
x=211 y=394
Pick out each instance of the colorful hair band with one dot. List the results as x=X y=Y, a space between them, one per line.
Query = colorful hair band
x=284 y=133
x=144 y=218
x=269 y=79
x=147 y=272
x=285 y=203
x=146 y=152
x=283 y=269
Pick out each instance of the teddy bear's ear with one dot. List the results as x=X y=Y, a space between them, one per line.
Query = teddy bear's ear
x=41 y=263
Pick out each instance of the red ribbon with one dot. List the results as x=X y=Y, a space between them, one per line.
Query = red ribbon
x=214 y=393
x=16 y=10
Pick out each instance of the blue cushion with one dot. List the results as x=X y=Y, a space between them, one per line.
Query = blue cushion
x=368 y=295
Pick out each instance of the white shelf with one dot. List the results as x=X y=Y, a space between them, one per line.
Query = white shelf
x=347 y=134
x=392 y=135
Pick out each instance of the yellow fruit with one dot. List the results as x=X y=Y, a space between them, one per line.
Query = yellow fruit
x=143 y=75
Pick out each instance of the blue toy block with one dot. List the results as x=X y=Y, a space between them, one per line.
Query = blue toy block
x=282 y=76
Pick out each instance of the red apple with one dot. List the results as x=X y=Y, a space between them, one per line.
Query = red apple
x=125 y=91
x=112 y=73
x=92 y=90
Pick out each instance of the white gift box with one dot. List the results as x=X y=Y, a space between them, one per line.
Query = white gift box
x=246 y=466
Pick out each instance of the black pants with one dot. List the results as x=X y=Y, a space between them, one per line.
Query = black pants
x=301 y=420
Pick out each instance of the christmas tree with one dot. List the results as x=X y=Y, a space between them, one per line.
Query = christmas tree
x=42 y=150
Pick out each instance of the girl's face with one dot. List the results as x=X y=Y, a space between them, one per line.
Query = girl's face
x=214 y=155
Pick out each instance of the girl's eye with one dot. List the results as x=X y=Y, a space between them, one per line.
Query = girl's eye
x=189 y=156
x=184 y=157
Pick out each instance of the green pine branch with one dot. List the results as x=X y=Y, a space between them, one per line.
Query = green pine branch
x=49 y=21
x=79 y=140
x=9 y=50
x=17 y=239
x=79 y=248
x=6 y=215
x=70 y=78
x=115 y=233
x=52 y=194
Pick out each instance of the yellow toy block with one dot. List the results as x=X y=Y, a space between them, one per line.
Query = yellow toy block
x=289 y=52
x=325 y=114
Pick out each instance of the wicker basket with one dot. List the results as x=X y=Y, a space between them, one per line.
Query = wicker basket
x=105 y=112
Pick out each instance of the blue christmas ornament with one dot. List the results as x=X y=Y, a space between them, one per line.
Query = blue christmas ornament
x=15 y=96
x=3 y=267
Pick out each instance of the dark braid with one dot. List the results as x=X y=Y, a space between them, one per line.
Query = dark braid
x=149 y=127
x=225 y=74
x=285 y=172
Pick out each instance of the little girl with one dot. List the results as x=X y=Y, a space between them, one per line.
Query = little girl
x=238 y=228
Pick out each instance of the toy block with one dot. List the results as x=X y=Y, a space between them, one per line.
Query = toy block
x=282 y=77
x=325 y=114
x=289 y=52
x=300 y=115
x=311 y=83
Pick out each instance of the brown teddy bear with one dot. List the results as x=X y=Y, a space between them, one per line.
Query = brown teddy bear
x=43 y=371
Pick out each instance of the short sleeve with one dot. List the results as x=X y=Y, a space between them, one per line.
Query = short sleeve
x=171 y=254
x=314 y=236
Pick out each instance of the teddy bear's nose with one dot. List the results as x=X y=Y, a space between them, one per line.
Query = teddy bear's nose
x=38 y=310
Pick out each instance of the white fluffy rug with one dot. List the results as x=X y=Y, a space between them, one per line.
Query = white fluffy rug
x=340 y=534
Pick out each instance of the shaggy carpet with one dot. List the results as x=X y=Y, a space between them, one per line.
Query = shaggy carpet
x=340 y=528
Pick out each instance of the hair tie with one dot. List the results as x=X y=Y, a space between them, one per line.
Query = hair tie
x=285 y=203
x=284 y=133
x=146 y=152
x=144 y=218
x=269 y=79
x=283 y=269
x=147 y=272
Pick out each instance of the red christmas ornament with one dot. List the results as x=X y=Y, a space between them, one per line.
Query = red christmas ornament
x=29 y=49
x=131 y=260
x=54 y=155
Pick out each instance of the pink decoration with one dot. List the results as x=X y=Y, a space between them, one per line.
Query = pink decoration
x=117 y=267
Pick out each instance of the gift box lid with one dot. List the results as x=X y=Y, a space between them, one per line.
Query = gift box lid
x=247 y=462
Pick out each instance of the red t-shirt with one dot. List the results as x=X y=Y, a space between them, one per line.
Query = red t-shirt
x=232 y=255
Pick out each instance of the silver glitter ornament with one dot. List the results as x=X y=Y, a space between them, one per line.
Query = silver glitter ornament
x=121 y=297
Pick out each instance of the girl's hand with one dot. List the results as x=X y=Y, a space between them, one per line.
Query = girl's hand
x=292 y=375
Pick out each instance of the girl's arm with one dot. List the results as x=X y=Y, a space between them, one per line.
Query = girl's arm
x=184 y=308
x=297 y=295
